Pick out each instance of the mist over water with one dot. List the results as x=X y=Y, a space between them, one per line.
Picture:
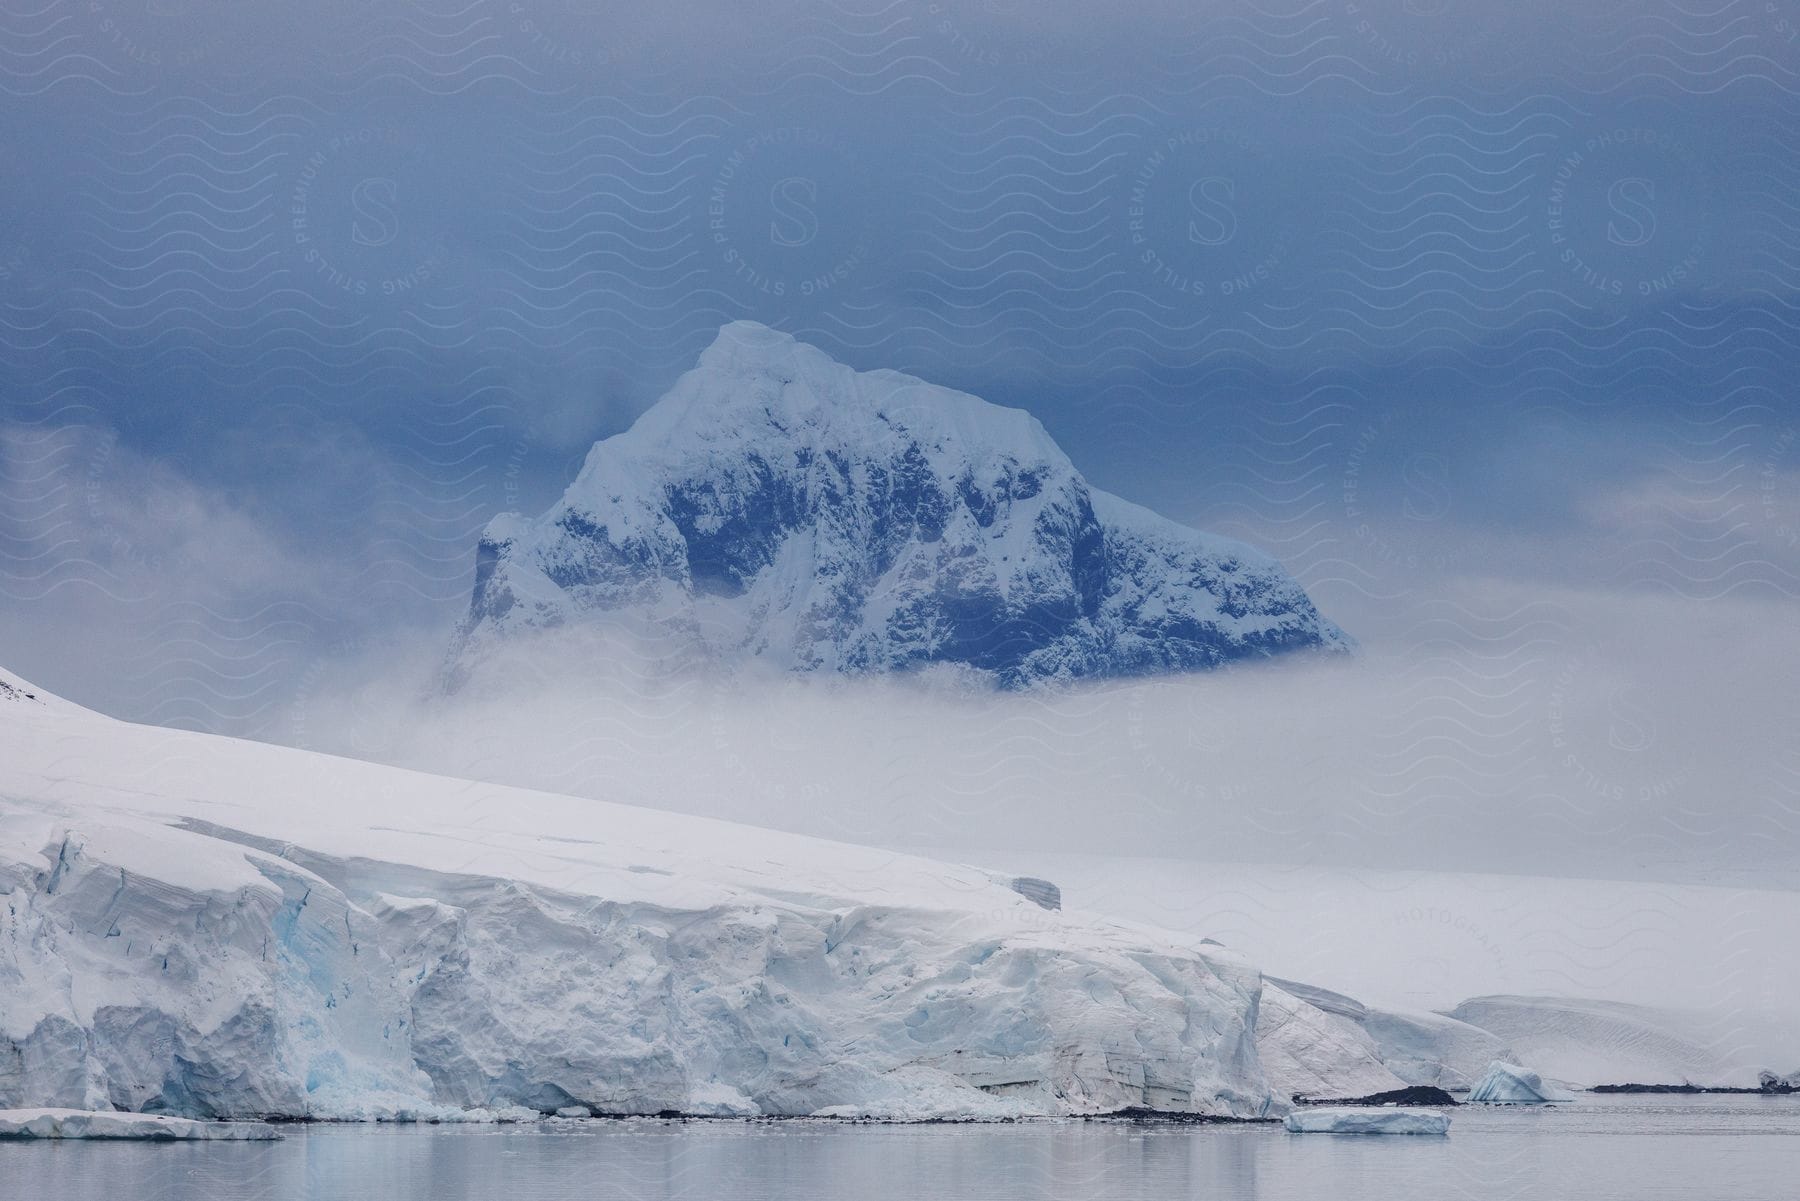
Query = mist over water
x=1569 y=743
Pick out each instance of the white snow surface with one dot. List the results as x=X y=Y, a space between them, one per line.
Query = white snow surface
x=87 y=1123
x=1510 y=1084
x=215 y=928
x=1386 y=1120
x=16 y=690
x=1415 y=1048
x=1308 y=1051
x=1585 y=1042
x=780 y=507
x=1453 y=970
x=1430 y=1048
x=207 y=927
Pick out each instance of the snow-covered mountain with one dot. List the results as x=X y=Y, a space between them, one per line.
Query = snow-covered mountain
x=777 y=505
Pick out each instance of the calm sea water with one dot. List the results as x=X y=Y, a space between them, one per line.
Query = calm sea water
x=1624 y=1148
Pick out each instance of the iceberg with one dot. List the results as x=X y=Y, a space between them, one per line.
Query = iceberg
x=1332 y=1120
x=83 y=1123
x=1510 y=1084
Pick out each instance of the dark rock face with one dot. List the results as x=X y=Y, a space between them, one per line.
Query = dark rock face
x=1769 y=1085
x=779 y=506
x=9 y=692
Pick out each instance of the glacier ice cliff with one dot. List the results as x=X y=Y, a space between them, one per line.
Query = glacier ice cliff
x=203 y=927
x=1308 y=1051
x=1413 y=1047
x=779 y=507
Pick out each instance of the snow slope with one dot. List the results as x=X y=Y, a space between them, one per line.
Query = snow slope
x=213 y=928
x=207 y=927
x=1308 y=1051
x=778 y=506
x=1588 y=1042
x=1412 y=1048
x=1433 y=1049
x=1720 y=965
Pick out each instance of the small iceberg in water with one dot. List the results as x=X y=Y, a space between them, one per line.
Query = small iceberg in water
x=1349 y=1120
x=86 y=1123
x=1510 y=1084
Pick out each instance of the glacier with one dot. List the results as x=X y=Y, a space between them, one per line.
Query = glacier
x=1585 y=1042
x=777 y=507
x=1413 y=1047
x=210 y=928
x=1309 y=1051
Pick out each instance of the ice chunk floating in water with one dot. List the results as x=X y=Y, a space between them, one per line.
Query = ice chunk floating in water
x=1510 y=1084
x=1368 y=1121
x=83 y=1123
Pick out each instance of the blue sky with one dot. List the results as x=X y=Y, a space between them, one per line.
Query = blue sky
x=1441 y=302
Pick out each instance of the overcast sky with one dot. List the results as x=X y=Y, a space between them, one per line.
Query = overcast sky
x=1480 y=316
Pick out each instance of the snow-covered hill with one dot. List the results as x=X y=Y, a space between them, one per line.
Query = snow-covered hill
x=1415 y=1048
x=1583 y=1042
x=1309 y=1052
x=778 y=506
x=210 y=927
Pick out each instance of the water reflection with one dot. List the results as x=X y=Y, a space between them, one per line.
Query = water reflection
x=1623 y=1147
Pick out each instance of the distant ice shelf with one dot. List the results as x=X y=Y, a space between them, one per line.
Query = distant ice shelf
x=214 y=928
